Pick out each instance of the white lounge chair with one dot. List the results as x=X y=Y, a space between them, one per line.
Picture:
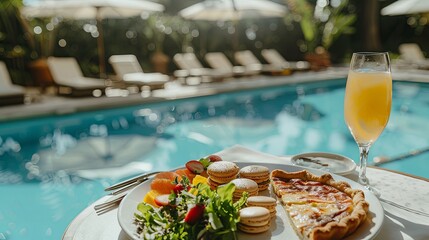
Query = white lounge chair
x=9 y=93
x=191 y=66
x=128 y=69
x=219 y=61
x=272 y=56
x=249 y=60
x=70 y=80
x=411 y=53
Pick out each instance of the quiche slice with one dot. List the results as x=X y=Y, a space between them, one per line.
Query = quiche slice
x=319 y=207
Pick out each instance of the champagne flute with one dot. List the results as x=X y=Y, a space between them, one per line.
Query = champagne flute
x=367 y=103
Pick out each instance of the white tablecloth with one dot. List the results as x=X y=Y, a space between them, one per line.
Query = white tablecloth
x=398 y=188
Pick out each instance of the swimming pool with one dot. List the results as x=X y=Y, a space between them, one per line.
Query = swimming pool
x=51 y=168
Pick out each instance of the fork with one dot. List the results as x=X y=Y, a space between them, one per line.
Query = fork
x=119 y=191
x=110 y=204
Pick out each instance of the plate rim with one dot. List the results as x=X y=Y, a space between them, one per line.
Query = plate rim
x=374 y=200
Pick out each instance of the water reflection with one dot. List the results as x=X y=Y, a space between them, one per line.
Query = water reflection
x=119 y=137
x=64 y=162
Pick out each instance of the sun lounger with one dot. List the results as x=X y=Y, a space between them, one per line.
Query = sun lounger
x=10 y=94
x=249 y=60
x=190 y=66
x=219 y=61
x=70 y=80
x=412 y=54
x=128 y=69
x=272 y=56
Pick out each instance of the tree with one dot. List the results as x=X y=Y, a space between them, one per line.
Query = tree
x=15 y=43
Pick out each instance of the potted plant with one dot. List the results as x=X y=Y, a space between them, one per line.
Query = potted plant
x=24 y=45
x=43 y=42
x=166 y=31
x=321 y=25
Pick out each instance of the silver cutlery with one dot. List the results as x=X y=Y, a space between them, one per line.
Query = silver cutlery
x=130 y=181
x=313 y=160
x=109 y=204
x=119 y=191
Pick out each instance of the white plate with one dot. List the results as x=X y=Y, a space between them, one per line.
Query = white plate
x=280 y=228
x=333 y=163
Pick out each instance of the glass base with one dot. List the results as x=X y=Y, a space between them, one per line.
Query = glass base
x=373 y=190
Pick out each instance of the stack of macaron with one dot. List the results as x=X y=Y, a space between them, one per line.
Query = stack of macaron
x=221 y=172
x=263 y=201
x=244 y=185
x=254 y=220
x=259 y=174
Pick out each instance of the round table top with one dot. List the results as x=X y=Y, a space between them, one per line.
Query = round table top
x=401 y=189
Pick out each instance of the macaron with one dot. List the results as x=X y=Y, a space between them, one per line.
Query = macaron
x=263 y=201
x=259 y=174
x=244 y=185
x=222 y=172
x=254 y=220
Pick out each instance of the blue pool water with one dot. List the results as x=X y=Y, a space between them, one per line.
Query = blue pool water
x=51 y=168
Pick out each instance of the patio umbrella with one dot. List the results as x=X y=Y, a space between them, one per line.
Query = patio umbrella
x=92 y=9
x=404 y=7
x=233 y=10
x=230 y=10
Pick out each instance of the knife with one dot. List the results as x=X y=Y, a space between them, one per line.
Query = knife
x=131 y=181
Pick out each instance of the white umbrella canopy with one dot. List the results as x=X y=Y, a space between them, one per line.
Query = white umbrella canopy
x=230 y=10
x=404 y=7
x=233 y=10
x=91 y=9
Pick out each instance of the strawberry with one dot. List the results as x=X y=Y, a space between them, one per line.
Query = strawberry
x=195 y=166
x=214 y=158
x=194 y=214
x=162 y=200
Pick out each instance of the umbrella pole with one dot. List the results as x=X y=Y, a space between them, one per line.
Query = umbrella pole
x=235 y=40
x=100 y=43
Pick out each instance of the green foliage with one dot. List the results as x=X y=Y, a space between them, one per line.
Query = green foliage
x=15 y=43
x=220 y=218
x=12 y=44
x=321 y=24
x=158 y=26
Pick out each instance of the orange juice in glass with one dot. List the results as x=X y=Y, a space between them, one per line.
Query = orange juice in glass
x=367 y=102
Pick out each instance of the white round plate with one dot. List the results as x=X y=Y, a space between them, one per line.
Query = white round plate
x=329 y=162
x=280 y=228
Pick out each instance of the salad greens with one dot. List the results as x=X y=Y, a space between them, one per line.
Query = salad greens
x=200 y=213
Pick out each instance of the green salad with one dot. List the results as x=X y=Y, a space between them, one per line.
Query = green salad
x=192 y=212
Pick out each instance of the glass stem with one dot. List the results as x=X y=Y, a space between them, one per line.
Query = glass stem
x=363 y=150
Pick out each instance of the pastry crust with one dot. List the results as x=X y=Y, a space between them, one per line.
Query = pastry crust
x=334 y=229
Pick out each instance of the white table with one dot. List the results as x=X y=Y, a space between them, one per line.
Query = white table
x=398 y=224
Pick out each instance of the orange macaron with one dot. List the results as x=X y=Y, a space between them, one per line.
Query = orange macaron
x=259 y=174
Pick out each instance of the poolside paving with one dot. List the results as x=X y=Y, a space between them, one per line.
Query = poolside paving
x=48 y=104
